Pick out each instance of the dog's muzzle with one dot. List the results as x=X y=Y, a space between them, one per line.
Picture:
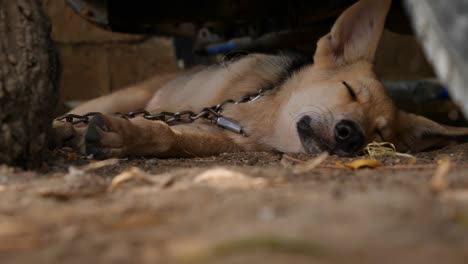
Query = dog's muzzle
x=347 y=137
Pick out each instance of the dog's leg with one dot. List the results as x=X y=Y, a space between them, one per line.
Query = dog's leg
x=130 y=99
x=109 y=136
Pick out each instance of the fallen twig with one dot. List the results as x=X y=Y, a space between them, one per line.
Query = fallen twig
x=92 y=166
x=303 y=166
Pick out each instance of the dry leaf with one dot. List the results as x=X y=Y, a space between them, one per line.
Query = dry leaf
x=223 y=178
x=131 y=174
x=439 y=180
x=363 y=163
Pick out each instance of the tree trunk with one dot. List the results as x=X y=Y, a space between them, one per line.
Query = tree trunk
x=28 y=82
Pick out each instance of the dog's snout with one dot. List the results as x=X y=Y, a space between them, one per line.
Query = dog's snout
x=349 y=136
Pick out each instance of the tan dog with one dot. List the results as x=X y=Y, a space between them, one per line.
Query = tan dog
x=337 y=104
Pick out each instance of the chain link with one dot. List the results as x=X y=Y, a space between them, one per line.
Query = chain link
x=211 y=114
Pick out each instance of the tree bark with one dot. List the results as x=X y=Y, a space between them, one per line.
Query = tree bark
x=29 y=73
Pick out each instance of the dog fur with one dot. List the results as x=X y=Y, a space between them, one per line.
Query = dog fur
x=335 y=104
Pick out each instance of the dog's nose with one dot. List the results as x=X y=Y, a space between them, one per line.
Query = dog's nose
x=349 y=137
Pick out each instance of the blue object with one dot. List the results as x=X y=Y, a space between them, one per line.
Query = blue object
x=444 y=93
x=221 y=48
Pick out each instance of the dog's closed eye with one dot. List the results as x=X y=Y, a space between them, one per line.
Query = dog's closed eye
x=350 y=91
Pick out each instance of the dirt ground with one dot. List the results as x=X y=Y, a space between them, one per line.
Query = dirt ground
x=236 y=208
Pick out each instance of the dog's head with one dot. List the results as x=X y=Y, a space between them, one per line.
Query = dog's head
x=339 y=105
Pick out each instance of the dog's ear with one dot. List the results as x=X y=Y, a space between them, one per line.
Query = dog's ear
x=417 y=133
x=355 y=35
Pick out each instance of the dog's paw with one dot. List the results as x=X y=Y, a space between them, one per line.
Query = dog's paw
x=108 y=136
x=63 y=134
x=103 y=137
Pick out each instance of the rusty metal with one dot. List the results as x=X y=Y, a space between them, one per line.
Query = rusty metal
x=77 y=119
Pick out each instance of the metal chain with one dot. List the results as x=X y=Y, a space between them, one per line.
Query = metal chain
x=211 y=114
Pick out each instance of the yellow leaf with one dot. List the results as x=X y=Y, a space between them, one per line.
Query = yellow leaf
x=363 y=163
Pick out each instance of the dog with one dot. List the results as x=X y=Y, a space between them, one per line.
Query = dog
x=335 y=104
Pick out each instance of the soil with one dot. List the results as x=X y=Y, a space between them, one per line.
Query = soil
x=237 y=208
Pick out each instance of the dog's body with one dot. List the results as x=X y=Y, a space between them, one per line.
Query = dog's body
x=335 y=104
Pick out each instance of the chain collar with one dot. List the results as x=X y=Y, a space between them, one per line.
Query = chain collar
x=211 y=114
